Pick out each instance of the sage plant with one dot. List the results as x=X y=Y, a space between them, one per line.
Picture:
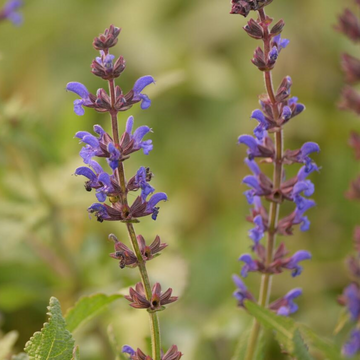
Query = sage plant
x=349 y=25
x=277 y=108
x=10 y=12
x=111 y=185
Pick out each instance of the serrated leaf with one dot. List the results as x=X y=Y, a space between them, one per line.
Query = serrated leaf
x=86 y=308
x=76 y=354
x=327 y=348
x=54 y=341
x=286 y=330
x=301 y=351
x=21 y=356
x=283 y=326
x=7 y=343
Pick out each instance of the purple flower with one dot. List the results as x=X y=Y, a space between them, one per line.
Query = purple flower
x=253 y=182
x=295 y=259
x=257 y=233
x=297 y=107
x=304 y=173
x=241 y=293
x=273 y=54
x=279 y=42
x=351 y=297
x=128 y=350
x=92 y=147
x=286 y=305
x=100 y=211
x=83 y=92
x=100 y=180
x=140 y=179
x=286 y=113
x=253 y=166
x=114 y=157
x=138 y=135
x=105 y=60
x=306 y=186
x=307 y=149
x=260 y=130
x=250 y=264
x=252 y=144
x=139 y=86
x=302 y=206
x=9 y=12
x=150 y=206
x=353 y=345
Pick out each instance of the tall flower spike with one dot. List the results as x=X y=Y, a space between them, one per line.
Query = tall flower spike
x=112 y=188
x=349 y=25
x=278 y=107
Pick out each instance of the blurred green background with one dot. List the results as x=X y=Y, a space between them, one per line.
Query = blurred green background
x=205 y=91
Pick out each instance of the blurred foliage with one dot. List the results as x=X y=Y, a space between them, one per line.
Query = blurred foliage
x=206 y=89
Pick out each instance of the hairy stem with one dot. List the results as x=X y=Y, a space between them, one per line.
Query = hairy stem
x=266 y=280
x=120 y=173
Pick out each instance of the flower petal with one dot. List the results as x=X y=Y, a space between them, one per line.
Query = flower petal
x=139 y=133
x=85 y=171
x=142 y=82
x=128 y=350
x=155 y=199
x=129 y=124
x=249 y=141
x=253 y=166
x=78 y=89
x=308 y=148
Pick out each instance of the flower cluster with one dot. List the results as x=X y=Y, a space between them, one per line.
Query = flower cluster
x=128 y=258
x=276 y=109
x=10 y=12
x=138 y=300
x=349 y=25
x=107 y=185
x=112 y=188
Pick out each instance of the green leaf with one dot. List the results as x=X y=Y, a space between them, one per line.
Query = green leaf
x=7 y=343
x=301 y=350
x=86 y=308
x=286 y=332
x=54 y=341
x=283 y=326
x=327 y=348
x=76 y=354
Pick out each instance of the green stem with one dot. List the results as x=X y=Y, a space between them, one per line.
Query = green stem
x=266 y=280
x=120 y=173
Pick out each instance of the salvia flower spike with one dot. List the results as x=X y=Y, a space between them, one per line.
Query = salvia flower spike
x=277 y=108
x=349 y=25
x=112 y=188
